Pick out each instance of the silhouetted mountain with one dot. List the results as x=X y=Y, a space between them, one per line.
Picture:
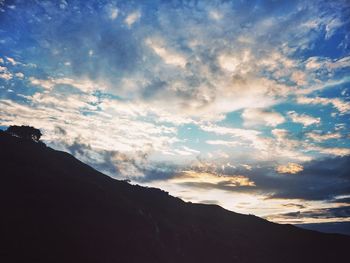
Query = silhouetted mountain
x=332 y=227
x=55 y=208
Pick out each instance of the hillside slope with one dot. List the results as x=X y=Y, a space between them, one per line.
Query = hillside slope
x=55 y=208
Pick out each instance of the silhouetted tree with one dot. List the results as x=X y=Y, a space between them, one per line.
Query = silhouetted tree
x=26 y=132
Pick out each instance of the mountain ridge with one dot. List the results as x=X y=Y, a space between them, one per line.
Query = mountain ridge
x=58 y=209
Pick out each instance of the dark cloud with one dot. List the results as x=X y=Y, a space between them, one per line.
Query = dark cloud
x=338 y=212
x=59 y=130
x=225 y=185
x=341 y=200
x=320 y=180
x=78 y=147
x=153 y=88
x=210 y=202
x=294 y=205
x=160 y=171
x=135 y=166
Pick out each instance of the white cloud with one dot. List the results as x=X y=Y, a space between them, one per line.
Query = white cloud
x=63 y=4
x=340 y=105
x=215 y=15
x=126 y=133
x=113 y=13
x=255 y=146
x=304 y=119
x=280 y=134
x=299 y=77
x=228 y=62
x=337 y=151
x=244 y=134
x=332 y=26
x=169 y=56
x=340 y=63
x=132 y=18
x=223 y=143
x=12 y=61
x=5 y=73
x=185 y=151
x=232 y=93
x=314 y=63
x=19 y=75
x=256 y=117
x=320 y=85
x=236 y=62
x=323 y=137
x=84 y=85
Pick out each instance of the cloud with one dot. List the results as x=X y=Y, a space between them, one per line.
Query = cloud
x=185 y=151
x=316 y=180
x=252 y=144
x=299 y=77
x=340 y=105
x=5 y=73
x=63 y=4
x=83 y=85
x=289 y=168
x=127 y=133
x=327 y=63
x=229 y=62
x=342 y=199
x=222 y=142
x=333 y=151
x=321 y=179
x=169 y=57
x=132 y=18
x=304 y=119
x=329 y=214
x=280 y=134
x=205 y=179
x=19 y=75
x=114 y=163
x=256 y=117
x=12 y=61
x=113 y=13
x=244 y=134
x=323 y=137
x=190 y=87
x=215 y=15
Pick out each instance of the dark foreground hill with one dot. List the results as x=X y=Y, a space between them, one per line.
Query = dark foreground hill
x=55 y=208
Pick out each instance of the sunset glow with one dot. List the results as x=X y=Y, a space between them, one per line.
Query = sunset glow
x=244 y=104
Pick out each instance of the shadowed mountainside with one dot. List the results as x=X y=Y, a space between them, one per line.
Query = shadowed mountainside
x=55 y=208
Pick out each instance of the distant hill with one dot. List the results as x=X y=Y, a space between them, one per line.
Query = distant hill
x=55 y=208
x=333 y=227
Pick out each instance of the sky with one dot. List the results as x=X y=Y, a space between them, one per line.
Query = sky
x=244 y=104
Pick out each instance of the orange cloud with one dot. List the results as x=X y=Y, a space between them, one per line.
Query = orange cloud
x=207 y=177
x=289 y=168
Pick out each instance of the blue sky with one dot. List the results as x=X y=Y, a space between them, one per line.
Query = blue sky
x=241 y=103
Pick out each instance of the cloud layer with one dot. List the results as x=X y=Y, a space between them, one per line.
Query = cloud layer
x=241 y=99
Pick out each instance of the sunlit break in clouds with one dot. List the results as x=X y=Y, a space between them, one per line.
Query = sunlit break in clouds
x=244 y=104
